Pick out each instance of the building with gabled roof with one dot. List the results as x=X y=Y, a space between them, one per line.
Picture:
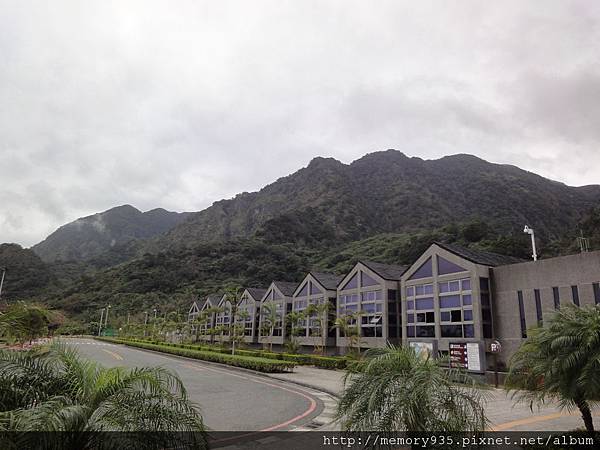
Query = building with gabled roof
x=248 y=313
x=319 y=290
x=274 y=306
x=368 y=302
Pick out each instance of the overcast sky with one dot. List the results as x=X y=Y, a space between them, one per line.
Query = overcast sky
x=177 y=104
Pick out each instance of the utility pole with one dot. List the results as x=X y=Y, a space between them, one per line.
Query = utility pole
x=2 y=281
x=106 y=317
x=100 y=324
x=145 y=322
x=530 y=232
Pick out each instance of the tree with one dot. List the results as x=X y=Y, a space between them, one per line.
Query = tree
x=348 y=326
x=56 y=390
x=270 y=317
x=560 y=361
x=394 y=389
x=321 y=313
x=293 y=319
x=25 y=322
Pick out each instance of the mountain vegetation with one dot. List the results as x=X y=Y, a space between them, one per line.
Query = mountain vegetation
x=384 y=207
x=91 y=236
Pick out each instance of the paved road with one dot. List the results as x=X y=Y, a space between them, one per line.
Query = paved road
x=230 y=400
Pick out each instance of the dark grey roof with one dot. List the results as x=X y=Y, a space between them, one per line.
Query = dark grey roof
x=257 y=293
x=200 y=303
x=386 y=271
x=214 y=299
x=479 y=256
x=327 y=280
x=287 y=288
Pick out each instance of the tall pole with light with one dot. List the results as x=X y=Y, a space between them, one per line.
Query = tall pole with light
x=101 y=318
x=106 y=317
x=529 y=231
x=2 y=280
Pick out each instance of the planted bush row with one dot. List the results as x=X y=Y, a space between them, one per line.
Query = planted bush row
x=248 y=362
x=324 y=362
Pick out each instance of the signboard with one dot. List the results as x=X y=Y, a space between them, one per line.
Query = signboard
x=423 y=349
x=458 y=355
x=495 y=347
x=473 y=357
x=465 y=356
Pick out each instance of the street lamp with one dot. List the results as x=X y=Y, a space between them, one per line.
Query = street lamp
x=100 y=324
x=106 y=317
x=529 y=231
x=145 y=322
x=2 y=280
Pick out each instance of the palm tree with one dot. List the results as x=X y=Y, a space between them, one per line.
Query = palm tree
x=394 y=389
x=56 y=390
x=560 y=361
x=271 y=317
x=25 y=322
x=348 y=326
x=322 y=312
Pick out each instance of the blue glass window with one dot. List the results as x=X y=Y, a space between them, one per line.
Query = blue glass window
x=410 y=331
x=522 y=314
x=352 y=283
x=410 y=291
x=424 y=271
x=410 y=304
x=467 y=315
x=424 y=303
x=467 y=300
x=485 y=300
x=484 y=284
x=445 y=266
x=304 y=291
x=445 y=316
x=469 y=331
x=450 y=301
x=538 y=306
x=466 y=284
x=314 y=289
x=410 y=318
x=366 y=280
x=575 y=292
x=556 y=295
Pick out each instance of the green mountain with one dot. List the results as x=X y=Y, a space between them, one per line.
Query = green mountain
x=388 y=192
x=94 y=236
x=385 y=207
x=26 y=276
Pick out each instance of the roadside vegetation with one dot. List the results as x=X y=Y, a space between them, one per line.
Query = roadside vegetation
x=560 y=362
x=52 y=389
x=248 y=362
x=395 y=389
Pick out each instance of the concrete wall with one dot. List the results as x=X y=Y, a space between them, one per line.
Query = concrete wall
x=580 y=270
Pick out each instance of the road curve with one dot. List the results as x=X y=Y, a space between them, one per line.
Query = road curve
x=230 y=400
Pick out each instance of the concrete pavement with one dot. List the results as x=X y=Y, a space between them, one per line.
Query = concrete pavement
x=230 y=399
x=501 y=410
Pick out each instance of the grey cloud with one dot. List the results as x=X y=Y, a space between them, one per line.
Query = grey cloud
x=178 y=105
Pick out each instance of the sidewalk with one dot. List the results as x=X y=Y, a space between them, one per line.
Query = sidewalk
x=501 y=410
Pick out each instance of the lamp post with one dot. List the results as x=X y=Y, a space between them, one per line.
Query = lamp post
x=145 y=322
x=100 y=324
x=529 y=231
x=2 y=280
x=106 y=317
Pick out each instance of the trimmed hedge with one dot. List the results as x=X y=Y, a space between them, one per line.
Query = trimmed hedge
x=324 y=362
x=247 y=362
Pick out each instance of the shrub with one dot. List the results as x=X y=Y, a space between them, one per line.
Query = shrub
x=247 y=362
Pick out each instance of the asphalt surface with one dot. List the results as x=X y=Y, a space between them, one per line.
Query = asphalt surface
x=229 y=399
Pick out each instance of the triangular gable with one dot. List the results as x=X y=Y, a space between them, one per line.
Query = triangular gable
x=314 y=289
x=446 y=267
x=352 y=283
x=367 y=280
x=194 y=308
x=424 y=271
x=303 y=291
